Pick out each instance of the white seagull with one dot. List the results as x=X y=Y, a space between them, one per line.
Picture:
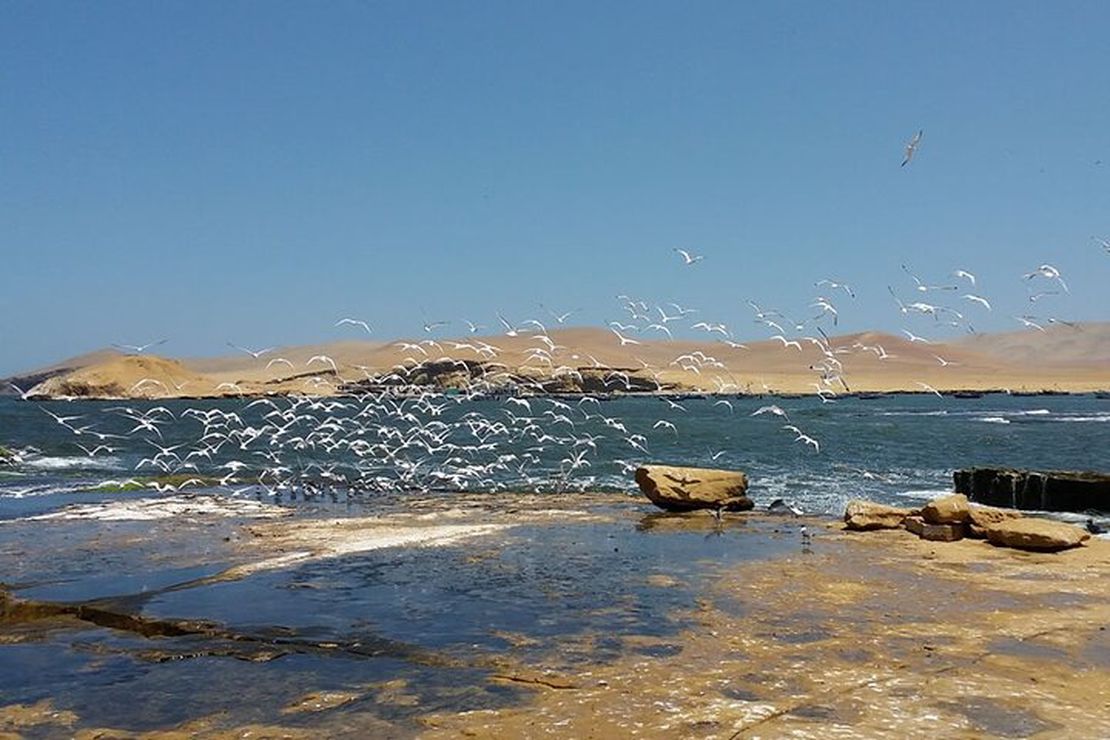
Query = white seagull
x=911 y=147
x=688 y=258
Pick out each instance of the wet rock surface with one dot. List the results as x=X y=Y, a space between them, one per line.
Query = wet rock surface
x=1031 y=490
x=574 y=616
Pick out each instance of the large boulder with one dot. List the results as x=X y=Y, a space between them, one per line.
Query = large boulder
x=685 y=489
x=981 y=517
x=1036 y=534
x=951 y=509
x=865 y=515
x=1033 y=490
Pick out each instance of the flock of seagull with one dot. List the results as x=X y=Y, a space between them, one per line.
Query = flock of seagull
x=502 y=428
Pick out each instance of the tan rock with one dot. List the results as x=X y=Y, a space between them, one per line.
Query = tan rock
x=1028 y=533
x=982 y=517
x=951 y=509
x=934 y=532
x=685 y=489
x=865 y=515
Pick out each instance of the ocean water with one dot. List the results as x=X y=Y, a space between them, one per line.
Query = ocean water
x=364 y=451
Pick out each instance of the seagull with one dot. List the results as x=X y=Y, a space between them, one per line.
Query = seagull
x=1028 y=323
x=834 y=285
x=252 y=352
x=964 y=274
x=559 y=317
x=510 y=330
x=429 y=326
x=911 y=147
x=914 y=338
x=803 y=438
x=355 y=322
x=139 y=349
x=1050 y=272
x=922 y=286
x=688 y=258
x=943 y=362
x=787 y=342
x=666 y=424
x=1037 y=296
x=624 y=340
x=977 y=299
x=772 y=409
x=1104 y=242
x=324 y=359
x=930 y=388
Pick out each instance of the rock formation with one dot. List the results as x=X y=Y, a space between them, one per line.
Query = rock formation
x=687 y=489
x=1036 y=490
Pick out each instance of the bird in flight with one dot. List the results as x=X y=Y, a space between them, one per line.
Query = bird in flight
x=688 y=258
x=354 y=322
x=911 y=147
x=140 y=348
x=255 y=353
x=964 y=274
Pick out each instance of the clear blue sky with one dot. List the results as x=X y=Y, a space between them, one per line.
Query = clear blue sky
x=253 y=171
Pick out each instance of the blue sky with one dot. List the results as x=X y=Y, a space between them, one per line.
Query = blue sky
x=253 y=171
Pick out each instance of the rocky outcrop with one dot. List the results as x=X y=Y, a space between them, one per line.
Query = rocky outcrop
x=686 y=489
x=1036 y=490
x=952 y=509
x=865 y=515
x=1036 y=534
x=981 y=517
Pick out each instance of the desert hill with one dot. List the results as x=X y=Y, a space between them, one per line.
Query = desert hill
x=1063 y=358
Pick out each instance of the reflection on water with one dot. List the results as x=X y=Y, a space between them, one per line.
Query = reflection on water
x=454 y=626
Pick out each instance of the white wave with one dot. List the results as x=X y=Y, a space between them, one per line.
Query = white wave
x=29 y=491
x=924 y=494
x=912 y=413
x=994 y=419
x=186 y=508
x=1096 y=419
x=73 y=463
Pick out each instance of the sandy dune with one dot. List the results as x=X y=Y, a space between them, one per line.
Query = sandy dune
x=1062 y=359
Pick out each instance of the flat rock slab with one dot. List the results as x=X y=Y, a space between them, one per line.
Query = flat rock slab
x=686 y=489
x=934 y=532
x=1036 y=534
x=864 y=516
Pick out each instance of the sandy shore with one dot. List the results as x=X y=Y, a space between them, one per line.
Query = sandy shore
x=871 y=635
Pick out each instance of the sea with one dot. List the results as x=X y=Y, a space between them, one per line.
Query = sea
x=894 y=449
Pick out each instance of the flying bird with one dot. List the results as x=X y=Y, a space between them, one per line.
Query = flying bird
x=977 y=299
x=964 y=274
x=911 y=147
x=355 y=322
x=255 y=353
x=688 y=258
x=140 y=348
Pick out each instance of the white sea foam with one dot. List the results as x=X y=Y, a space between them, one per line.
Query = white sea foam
x=925 y=494
x=73 y=463
x=994 y=419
